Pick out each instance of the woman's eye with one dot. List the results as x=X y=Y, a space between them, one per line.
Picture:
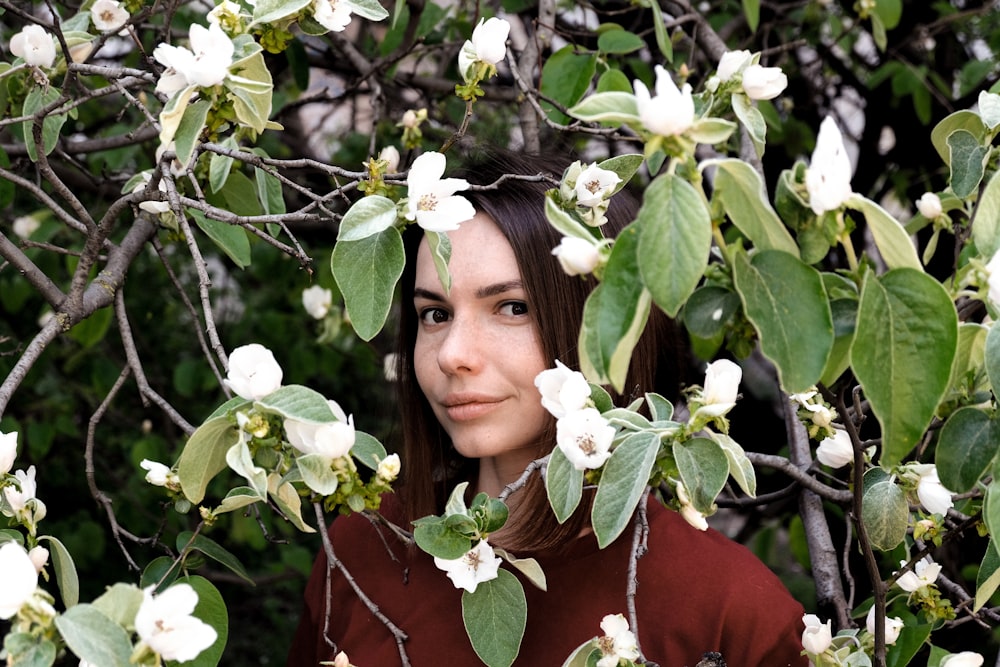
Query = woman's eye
x=433 y=315
x=514 y=308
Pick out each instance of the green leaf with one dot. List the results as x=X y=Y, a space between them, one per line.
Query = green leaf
x=367 y=451
x=709 y=309
x=988 y=576
x=884 y=510
x=968 y=121
x=235 y=404
x=495 y=617
x=711 y=130
x=38 y=98
x=752 y=119
x=368 y=9
x=272 y=11
x=613 y=80
x=189 y=129
x=269 y=192
x=65 y=570
x=660 y=29
x=751 y=10
x=204 y=456
x=231 y=239
x=704 y=469
x=891 y=239
x=440 y=247
x=740 y=466
x=238 y=195
x=580 y=657
x=614 y=315
x=91 y=331
x=433 y=536
x=288 y=500
x=27 y=650
x=986 y=225
x=211 y=609
x=120 y=603
x=675 y=233
x=219 y=166
x=966 y=448
x=94 y=637
x=240 y=461
x=293 y=401
x=968 y=162
x=564 y=221
x=206 y=545
x=659 y=407
x=625 y=165
x=911 y=639
x=786 y=302
x=740 y=190
x=366 y=272
x=622 y=484
x=563 y=485
x=607 y=107
x=317 y=473
x=619 y=42
x=238 y=498
x=902 y=353
x=529 y=567
x=566 y=76
x=889 y=11
x=367 y=216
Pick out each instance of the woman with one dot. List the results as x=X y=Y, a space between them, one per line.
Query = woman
x=470 y=412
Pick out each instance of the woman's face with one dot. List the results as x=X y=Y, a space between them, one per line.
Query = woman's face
x=477 y=350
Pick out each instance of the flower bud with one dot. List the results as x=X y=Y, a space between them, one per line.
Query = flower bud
x=39 y=557
x=577 y=256
x=929 y=205
x=388 y=468
x=817 y=637
x=892 y=627
x=390 y=154
x=731 y=63
x=836 y=451
x=764 y=83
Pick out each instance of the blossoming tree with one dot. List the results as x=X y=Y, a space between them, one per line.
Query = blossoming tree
x=828 y=259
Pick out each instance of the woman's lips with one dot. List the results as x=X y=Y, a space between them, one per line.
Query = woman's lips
x=468 y=408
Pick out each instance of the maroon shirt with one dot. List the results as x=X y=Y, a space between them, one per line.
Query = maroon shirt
x=698 y=592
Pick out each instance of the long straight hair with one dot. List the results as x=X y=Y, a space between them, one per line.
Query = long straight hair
x=431 y=465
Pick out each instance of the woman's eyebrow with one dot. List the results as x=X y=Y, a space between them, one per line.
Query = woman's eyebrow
x=481 y=293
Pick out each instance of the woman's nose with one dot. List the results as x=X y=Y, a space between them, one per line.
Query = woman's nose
x=460 y=348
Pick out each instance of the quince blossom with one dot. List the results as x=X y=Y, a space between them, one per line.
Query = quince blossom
x=722 y=385
x=763 y=83
x=108 y=15
x=35 y=45
x=18 y=578
x=817 y=636
x=388 y=468
x=594 y=185
x=253 y=372
x=688 y=511
x=731 y=63
x=24 y=226
x=317 y=301
x=154 y=206
x=585 y=437
x=39 y=557
x=477 y=565
x=330 y=440
x=488 y=45
x=935 y=498
x=390 y=155
x=563 y=390
x=828 y=177
x=618 y=642
x=8 y=451
x=924 y=573
x=993 y=279
x=577 y=256
x=836 y=451
x=205 y=64
x=25 y=505
x=158 y=474
x=929 y=205
x=963 y=659
x=671 y=111
x=166 y=625
x=333 y=15
x=893 y=626
x=431 y=200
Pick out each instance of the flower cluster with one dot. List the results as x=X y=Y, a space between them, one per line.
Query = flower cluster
x=582 y=433
x=19 y=500
x=742 y=71
x=477 y=61
x=618 y=643
x=205 y=64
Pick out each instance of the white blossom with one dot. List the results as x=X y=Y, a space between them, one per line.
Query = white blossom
x=23 y=501
x=963 y=659
x=390 y=155
x=388 y=468
x=671 y=112
x=585 y=437
x=165 y=623
x=828 y=177
x=817 y=636
x=577 y=256
x=108 y=15
x=158 y=474
x=24 y=226
x=431 y=200
x=477 y=565
x=8 y=451
x=893 y=626
x=594 y=185
x=722 y=386
x=993 y=279
x=563 y=390
x=205 y=64
x=18 y=578
x=333 y=15
x=929 y=205
x=688 y=511
x=731 y=63
x=226 y=12
x=330 y=440
x=488 y=45
x=763 y=83
x=35 y=45
x=924 y=573
x=39 y=557
x=935 y=498
x=154 y=206
x=836 y=451
x=389 y=363
x=317 y=300
x=617 y=643
x=253 y=372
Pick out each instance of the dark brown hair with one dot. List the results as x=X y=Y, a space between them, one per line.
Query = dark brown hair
x=432 y=466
